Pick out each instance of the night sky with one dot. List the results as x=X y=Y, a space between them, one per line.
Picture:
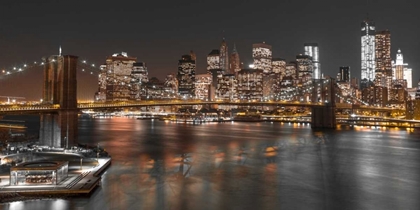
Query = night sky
x=159 y=32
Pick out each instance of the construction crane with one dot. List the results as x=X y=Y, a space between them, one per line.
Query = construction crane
x=12 y=98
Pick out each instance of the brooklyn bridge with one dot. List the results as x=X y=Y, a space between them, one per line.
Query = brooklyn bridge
x=60 y=106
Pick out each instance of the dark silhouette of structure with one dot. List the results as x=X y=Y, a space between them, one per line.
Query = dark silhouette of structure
x=60 y=88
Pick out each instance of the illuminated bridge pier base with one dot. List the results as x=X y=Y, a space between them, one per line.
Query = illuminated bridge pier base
x=60 y=129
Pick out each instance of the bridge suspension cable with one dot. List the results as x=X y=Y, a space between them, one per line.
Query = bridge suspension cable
x=83 y=65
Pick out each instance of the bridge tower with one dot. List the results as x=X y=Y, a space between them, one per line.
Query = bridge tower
x=60 y=88
x=324 y=92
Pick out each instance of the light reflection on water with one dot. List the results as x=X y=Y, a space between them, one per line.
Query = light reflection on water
x=160 y=165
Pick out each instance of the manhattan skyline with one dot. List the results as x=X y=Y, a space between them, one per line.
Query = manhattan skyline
x=159 y=34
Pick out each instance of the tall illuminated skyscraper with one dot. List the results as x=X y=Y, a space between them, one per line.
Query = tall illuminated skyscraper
x=213 y=60
x=139 y=79
x=368 y=51
x=304 y=69
x=115 y=78
x=408 y=76
x=263 y=56
x=224 y=56
x=398 y=71
x=344 y=74
x=186 y=77
x=312 y=50
x=202 y=86
x=401 y=72
x=279 y=67
x=383 y=61
x=417 y=103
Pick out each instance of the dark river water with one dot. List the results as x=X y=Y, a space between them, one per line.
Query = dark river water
x=163 y=165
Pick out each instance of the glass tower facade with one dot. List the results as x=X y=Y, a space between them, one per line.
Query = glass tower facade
x=311 y=49
x=368 y=50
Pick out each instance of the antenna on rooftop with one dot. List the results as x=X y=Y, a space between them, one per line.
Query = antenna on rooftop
x=367 y=9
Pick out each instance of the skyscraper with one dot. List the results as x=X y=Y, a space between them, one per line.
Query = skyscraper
x=186 y=77
x=279 y=66
x=139 y=79
x=417 y=103
x=171 y=86
x=398 y=71
x=250 y=84
x=408 y=76
x=368 y=52
x=383 y=62
x=224 y=56
x=235 y=62
x=344 y=74
x=213 y=60
x=262 y=55
x=202 y=86
x=115 y=78
x=312 y=50
x=401 y=73
x=304 y=69
x=226 y=87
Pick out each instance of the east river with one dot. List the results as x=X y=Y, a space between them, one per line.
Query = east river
x=163 y=165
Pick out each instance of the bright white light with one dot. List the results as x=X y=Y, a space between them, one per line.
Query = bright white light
x=93 y=65
x=24 y=65
x=251 y=66
x=84 y=61
x=14 y=68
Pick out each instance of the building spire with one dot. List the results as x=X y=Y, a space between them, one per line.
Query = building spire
x=234 y=48
x=223 y=35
